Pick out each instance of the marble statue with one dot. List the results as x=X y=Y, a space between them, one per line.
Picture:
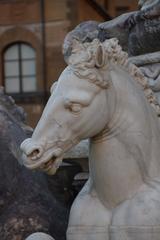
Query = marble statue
x=138 y=33
x=102 y=96
x=149 y=64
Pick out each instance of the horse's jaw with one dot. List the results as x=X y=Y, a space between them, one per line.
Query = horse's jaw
x=46 y=160
x=48 y=163
x=45 y=157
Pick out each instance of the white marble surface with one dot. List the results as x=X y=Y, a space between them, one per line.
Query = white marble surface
x=81 y=150
x=39 y=236
x=104 y=97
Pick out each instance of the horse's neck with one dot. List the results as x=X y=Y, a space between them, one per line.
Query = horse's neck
x=121 y=159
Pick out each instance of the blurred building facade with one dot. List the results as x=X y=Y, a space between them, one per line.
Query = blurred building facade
x=31 y=36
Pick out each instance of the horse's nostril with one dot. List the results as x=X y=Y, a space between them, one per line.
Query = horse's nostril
x=34 y=154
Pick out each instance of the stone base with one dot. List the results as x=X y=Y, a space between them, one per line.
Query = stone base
x=87 y=233
x=114 y=233
x=135 y=233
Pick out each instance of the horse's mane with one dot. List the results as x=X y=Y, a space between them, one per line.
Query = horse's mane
x=90 y=59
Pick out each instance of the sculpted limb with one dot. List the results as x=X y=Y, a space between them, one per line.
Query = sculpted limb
x=139 y=216
x=89 y=218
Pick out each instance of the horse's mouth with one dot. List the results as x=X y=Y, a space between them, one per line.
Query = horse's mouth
x=49 y=161
x=38 y=156
x=51 y=166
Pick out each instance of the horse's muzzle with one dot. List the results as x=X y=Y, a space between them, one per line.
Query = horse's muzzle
x=32 y=150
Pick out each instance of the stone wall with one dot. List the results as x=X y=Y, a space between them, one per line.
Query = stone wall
x=21 y=21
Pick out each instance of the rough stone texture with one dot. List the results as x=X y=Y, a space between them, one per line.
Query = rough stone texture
x=24 y=207
x=138 y=32
x=84 y=32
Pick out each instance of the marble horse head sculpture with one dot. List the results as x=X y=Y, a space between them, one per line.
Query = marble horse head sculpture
x=103 y=97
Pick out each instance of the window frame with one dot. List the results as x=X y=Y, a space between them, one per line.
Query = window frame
x=20 y=60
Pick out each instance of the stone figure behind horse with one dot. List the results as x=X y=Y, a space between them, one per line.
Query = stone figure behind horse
x=101 y=96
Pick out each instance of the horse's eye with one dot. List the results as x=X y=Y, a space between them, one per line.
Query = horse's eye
x=75 y=107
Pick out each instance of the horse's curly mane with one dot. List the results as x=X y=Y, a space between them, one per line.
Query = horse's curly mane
x=84 y=62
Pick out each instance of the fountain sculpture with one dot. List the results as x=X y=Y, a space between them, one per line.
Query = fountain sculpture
x=103 y=96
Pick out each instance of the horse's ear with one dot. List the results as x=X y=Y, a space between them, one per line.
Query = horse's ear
x=53 y=87
x=100 y=56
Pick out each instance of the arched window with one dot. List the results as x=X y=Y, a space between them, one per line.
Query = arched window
x=20 y=68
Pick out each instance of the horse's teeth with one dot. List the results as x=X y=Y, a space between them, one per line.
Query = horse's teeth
x=47 y=164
